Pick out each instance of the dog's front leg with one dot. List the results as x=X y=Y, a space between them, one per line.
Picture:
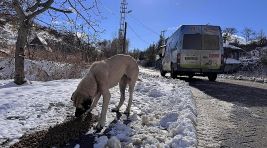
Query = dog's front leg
x=102 y=119
x=95 y=101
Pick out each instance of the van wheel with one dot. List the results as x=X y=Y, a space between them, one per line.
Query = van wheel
x=190 y=76
x=212 y=77
x=173 y=73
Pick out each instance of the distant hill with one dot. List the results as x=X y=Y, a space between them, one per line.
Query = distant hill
x=8 y=36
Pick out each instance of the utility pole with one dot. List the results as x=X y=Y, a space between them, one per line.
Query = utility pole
x=162 y=43
x=123 y=27
x=124 y=39
x=163 y=37
x=163 y=33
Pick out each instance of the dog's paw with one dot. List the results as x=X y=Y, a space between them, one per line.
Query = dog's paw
x=98 y=128
x=115 y=110
x=127 y=113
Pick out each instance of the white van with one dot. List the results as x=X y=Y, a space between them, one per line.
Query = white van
x=194 y=50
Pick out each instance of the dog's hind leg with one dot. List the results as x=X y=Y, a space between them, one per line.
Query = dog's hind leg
x=122 y=84
x=131 y=90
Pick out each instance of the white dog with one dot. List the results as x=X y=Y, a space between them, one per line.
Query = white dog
x=102 y=76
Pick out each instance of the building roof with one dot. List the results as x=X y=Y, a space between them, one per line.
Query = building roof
x=231 y=47
x=40 y=40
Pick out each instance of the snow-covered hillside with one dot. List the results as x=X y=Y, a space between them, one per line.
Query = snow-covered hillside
x=41 y=70
x=9 y=34
x=163 y=111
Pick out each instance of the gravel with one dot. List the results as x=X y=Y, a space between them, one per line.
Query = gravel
x=231 y=113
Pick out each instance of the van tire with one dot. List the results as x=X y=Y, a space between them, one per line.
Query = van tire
x=212 y=76
x=190 y=76
x=173 y=73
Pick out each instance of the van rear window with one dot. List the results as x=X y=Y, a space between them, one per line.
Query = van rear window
x=210 y=42
x=192 y=41
x=199 y=41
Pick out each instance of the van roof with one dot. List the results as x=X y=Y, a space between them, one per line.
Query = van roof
x=184 y=26
x=210 y=29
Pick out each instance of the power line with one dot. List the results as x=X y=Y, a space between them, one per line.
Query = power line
x=109 y=9
x=132 y=17
x=136 y=34
x=145 y=26
x=106 y=8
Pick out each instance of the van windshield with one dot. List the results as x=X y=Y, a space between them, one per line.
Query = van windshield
x=201 y=42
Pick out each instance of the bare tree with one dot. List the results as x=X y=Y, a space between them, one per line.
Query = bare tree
x=228 y=32
x=261 y=35
x=26 y=11
x=248 y=34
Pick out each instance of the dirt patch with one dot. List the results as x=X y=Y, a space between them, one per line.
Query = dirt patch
x=58 y=135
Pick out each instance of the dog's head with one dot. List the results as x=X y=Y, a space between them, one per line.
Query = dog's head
x=81 y=103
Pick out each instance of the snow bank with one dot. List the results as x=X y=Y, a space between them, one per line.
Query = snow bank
x=232 y=61
x=163 y=114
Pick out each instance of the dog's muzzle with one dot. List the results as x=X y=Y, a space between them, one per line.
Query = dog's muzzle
x=86 y=105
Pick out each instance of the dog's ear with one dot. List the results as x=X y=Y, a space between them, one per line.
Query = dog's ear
x=72 y=97
x=88 y=101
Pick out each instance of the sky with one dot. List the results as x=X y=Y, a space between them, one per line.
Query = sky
x=149 y=17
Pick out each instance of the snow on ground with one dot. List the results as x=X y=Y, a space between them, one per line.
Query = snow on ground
x=243 y=76
x=33 y=106
x=150 y=72
x=163 y=112
x=231 y=61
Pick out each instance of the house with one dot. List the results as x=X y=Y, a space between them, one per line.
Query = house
x=233 y=52
x=39 y=43
x=231 y=58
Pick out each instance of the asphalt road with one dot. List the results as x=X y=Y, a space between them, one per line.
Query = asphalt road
x=231 y=113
